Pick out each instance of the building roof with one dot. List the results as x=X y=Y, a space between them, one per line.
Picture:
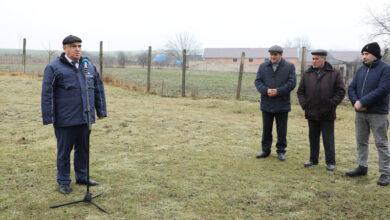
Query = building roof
x=338 y=56
x=347 y=56
x=249 y=52
x=335 y=56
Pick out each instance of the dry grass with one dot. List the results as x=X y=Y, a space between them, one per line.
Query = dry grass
x=174 y=158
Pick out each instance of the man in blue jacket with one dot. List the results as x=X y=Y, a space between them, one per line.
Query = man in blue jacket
x=369 y=94
x=64 y=104
x=275 y=80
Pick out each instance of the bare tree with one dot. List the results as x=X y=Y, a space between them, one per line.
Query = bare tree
x=299 y=42
x=181 y=41
x=50 y=52
x=142 y=58
x=380 y=21
x=121 y=59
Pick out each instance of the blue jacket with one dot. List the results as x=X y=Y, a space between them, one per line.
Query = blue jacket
x=283 y=79
x=64 y=95
x=371 y=86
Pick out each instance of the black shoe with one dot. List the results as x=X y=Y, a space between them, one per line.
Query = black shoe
x=281 y=156
x=262 y=155
x=384 y=180
x=84 y=182
x=358 y=171
x=64 y=189
x=310 y=163
x=330 y=167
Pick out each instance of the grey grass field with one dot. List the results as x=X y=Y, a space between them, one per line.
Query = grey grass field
x=180 y=158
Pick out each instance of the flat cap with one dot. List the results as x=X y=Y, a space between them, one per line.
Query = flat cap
x=71 y=39
x=275 y=49
x=319 y=52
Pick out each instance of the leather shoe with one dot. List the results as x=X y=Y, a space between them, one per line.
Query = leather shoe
x=358 y=171
x=64 y=189
x=330 y=167
x=309 y=164
x=84 y=182
x=262 y=155
x=384 y=180
x=281 y=156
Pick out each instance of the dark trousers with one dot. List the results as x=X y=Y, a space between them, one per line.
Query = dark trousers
x=281 y=129
x=67 y=138
x=316 y=127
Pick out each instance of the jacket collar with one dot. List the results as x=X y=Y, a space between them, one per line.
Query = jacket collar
x=373 y=64
x=327 y=67
x=64 y=60
x=282 y=61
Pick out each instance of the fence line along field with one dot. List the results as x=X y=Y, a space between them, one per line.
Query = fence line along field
x=166 y=80
x=179 y=158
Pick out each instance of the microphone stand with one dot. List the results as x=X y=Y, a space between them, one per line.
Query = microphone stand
x=88 y=196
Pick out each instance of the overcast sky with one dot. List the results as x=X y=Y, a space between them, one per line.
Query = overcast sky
x=136 y=24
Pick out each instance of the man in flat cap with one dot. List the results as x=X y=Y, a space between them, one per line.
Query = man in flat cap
x=320 y=91
x=275 y=80
x=369 y=95
x=64 y=104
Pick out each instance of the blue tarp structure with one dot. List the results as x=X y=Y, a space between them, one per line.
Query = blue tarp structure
x=178 y=63
x=160 y=58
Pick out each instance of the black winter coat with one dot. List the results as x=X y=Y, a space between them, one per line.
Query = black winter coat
x=320 y=93
x=283 y=79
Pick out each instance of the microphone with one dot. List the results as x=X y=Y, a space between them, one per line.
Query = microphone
x=85 y=61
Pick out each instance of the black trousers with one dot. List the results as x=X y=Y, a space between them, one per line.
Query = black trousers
x=281 y=129
x=316 y=127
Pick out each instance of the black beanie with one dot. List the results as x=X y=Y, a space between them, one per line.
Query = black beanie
x=374 y=49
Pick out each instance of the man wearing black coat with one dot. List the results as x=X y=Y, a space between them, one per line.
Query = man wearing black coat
x=275 y=80
x=320 y=91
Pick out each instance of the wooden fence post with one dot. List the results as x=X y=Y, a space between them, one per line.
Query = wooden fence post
x=101 y=58
x=240 y=75
x=24 y=55
x=354 y=70
x=183 y=76
x=386 y=55
x=346 y=77
x=303 y=60
x=162 y=88
x=149 y=67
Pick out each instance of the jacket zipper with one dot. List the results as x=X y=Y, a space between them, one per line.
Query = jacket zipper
x=364 y=82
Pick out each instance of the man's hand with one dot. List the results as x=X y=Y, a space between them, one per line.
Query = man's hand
x=272 y=92
x=101 y=117
x=359 y=107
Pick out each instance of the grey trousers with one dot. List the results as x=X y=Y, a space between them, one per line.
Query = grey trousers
x=379 y=125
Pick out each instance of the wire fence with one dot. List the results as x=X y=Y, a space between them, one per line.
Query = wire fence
x=163 y=78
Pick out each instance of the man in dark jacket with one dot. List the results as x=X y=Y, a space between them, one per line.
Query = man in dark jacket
x=321 y=89
x=275 y=80
x=64 y=104
x=369 y=94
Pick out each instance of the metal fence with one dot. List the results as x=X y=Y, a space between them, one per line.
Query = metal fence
x=145 y=74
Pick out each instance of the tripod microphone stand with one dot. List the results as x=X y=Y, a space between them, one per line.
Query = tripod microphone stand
x=88 y=196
